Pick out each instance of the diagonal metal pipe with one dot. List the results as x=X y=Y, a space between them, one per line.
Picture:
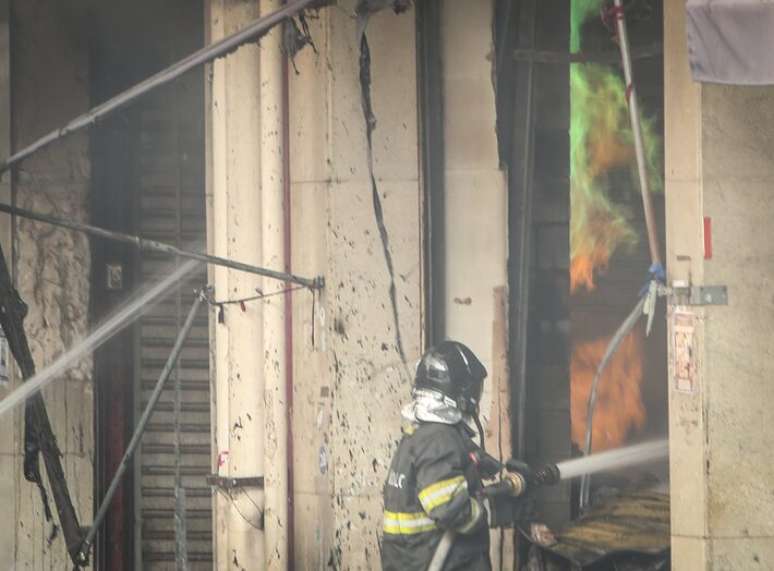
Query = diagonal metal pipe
x=205 y=55
x=83 y=554
x=639 y=145
x=155 y=246
x=625 y=328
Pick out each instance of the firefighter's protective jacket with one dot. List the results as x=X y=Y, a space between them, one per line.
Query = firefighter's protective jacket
x=431 y=487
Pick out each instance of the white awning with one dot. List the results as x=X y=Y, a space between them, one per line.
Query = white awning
x=731 y=41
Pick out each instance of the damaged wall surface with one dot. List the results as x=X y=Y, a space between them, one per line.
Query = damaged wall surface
x=349 y=376
x=350 y=380
x=51 y=268
x=355 y=344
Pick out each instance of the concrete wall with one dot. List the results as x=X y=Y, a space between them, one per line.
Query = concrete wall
x=719 y=165
x=349 y=379
x=49 y=85
x=350 y=382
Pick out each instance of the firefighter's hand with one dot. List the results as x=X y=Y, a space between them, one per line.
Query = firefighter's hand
x=488 y=466
x=522 y=468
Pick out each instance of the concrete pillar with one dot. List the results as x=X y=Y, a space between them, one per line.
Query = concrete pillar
x=234 y=208
x=349 y=381
x=273 y=233
x=719 y=169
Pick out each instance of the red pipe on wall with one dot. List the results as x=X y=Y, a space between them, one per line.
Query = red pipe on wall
x=288 y=304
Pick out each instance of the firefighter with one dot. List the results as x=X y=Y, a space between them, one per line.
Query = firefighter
x=435 y=479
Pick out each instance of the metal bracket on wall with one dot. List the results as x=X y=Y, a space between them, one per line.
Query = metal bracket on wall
x=699 y=295
x=227 y=483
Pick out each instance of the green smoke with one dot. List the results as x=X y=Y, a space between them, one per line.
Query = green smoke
x=580 y=10
x=600 y=141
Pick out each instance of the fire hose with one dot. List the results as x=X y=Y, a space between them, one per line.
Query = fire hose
x=517 y=481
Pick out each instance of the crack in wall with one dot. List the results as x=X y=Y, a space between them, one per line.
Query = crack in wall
x=370 y=121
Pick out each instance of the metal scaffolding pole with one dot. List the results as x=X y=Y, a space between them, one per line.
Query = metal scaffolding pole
x=205 y=55
x=154 y=246
x=639 y=146
x=140 y=430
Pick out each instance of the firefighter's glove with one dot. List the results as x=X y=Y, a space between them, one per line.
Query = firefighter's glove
x=486 y=465
x=518 y=467
x=526 y=474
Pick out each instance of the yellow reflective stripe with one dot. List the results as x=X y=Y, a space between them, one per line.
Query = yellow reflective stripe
x=401 y=523
x=441 y=492
x=475 y=515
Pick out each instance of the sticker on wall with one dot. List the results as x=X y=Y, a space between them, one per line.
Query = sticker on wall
x=684 y=351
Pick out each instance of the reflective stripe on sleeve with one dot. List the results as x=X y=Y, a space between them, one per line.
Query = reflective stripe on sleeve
x=399 y=523
x=441 y=492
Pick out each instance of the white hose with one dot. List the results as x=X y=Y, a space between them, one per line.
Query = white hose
x=442 y=551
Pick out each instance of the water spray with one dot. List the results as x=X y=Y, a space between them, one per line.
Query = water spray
x=515 y=483
x=518 y=478
x=610 y=460
x=118 y=321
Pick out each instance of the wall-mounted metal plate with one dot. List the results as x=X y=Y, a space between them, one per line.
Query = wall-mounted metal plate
x=229 y=483
x=699 y=295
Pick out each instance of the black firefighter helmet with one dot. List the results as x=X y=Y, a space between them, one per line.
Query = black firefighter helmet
x=453 y=370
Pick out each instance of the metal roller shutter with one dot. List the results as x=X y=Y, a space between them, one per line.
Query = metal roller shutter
x=171 y=208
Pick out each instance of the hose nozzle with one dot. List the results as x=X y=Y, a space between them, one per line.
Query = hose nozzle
x=548 y=475
x=516 y=482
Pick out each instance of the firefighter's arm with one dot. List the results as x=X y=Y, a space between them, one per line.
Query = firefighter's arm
x=443 y=489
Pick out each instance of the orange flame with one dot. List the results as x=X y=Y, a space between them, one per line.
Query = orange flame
x=600 y=142
x=619 y=410
x=594 y=246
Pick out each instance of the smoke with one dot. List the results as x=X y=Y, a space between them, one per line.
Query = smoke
x=601 y=143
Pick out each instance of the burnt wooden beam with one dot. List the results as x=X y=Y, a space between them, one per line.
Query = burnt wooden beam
x=39 y=436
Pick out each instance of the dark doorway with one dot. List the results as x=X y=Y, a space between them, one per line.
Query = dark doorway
x=551 y=321
x=148 y=179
